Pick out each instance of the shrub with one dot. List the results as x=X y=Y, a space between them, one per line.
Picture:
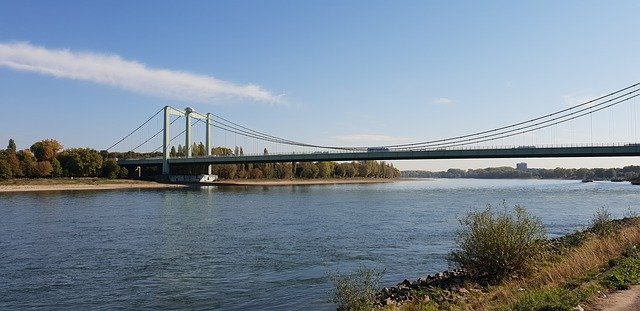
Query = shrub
x=602 y=223
x=356 y=291
x=498 y=244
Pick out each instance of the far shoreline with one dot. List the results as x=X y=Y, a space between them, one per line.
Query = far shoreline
x=299 y=182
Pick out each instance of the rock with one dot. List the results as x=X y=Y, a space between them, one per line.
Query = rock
x=423 y=281
x=578 y=308
x=389 y=302
x=463 y=290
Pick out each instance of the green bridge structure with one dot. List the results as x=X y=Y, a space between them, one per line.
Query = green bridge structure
x=459 y=147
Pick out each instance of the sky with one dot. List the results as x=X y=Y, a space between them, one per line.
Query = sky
x=363 y=73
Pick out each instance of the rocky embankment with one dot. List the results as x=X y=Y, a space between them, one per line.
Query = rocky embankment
x=449 y=283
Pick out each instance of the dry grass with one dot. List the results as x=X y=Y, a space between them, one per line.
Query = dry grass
x=578 y=262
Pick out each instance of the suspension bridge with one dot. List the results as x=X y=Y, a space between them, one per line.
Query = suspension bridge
x=478 y=145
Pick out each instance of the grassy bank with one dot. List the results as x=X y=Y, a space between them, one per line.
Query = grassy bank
x=577 y=269
x=567 y=272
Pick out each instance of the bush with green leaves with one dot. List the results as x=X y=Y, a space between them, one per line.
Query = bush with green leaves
x=356 y=291
x=602 y=223
x=497 y=243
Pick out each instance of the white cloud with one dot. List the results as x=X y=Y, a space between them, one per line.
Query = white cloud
x=370 y=139
x=443 y=101
x=128 y=75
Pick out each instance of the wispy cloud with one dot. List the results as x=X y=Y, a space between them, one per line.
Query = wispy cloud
x=370 y=139
x=128 y=75
x=443 y=101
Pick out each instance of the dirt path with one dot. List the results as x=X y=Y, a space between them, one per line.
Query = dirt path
x=625 y=300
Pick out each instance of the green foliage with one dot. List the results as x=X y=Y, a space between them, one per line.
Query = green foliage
x=623 y=276
x=80 y=162
x=356 y=291
x=110 y=169
x=555 y=299
x=496 y=244
x=27 y=163
x=602 y=223
x=5 y=169
x=56 y=168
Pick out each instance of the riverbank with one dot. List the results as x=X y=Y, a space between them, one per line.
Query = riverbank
x=78 y=184
x=301 y=182
x=594 y=269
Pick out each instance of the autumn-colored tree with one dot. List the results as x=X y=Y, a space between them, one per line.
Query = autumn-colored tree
x=255 y=173
x=42 y=169
x=45 y=150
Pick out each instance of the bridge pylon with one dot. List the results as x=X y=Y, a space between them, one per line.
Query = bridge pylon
x=189 y=114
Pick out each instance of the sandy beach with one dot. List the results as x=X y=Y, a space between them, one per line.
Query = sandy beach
x=79 y=184
x=30 y=185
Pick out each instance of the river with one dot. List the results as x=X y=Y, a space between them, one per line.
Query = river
x=254 y=248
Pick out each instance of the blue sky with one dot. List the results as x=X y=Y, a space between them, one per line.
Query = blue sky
x=323 y=72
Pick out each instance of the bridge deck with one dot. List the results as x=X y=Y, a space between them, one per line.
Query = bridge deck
x=520 y=152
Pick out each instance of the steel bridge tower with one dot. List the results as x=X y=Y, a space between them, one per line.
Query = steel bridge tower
x=188 y=114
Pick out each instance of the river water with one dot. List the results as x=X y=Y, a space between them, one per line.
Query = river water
x=254 y=248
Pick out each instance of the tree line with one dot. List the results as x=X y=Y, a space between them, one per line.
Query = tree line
x=625 y=173
x=47 y=158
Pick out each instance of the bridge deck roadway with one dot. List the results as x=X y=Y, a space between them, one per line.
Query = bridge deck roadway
x=527 y=152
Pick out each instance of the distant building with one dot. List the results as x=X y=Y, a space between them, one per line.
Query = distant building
x=522 y=166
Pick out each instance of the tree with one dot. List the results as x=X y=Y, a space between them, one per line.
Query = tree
x=236 y=152
x=81 y=162
x=12 y=146
x=201 y=149
x=283 y=170
x=172 y=153
x=308 y=170
x=110 y=169
x=42 y=169
x=241 y=151
x=265 y=151
x=255 y=173
x=325 y=169
x=14 y=163
x=27 y=162
x=56 y=168
x=45 y=150
x=5 y=169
